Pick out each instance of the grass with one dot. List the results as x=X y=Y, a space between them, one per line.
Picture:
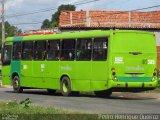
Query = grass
x=24 y=110
x=157 y=90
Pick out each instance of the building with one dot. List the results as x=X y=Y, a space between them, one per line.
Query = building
x=86 y=20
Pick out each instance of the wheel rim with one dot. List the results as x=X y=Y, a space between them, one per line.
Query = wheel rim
x=65 y=87
x=16 y=84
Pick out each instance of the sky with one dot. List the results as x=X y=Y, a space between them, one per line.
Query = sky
x=21 y=7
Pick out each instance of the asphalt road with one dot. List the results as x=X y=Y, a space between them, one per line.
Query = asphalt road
x=118 y=103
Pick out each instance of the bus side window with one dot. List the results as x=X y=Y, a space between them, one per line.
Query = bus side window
x=53 y=49
x=68 y=49
x=39 y=50
x=17 y=48
x=100 y=49
x=27 y=50
x=84 y=47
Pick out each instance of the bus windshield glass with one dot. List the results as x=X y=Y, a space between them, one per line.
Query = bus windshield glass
x=6 y=57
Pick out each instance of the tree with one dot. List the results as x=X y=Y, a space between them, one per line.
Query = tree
x=10 y=30
x=55 y=17
x=46 y=24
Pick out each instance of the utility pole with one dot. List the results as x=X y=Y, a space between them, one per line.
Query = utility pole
x=3 y=23
x=3 y=29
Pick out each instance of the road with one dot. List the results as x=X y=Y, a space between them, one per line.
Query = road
x=117 y=104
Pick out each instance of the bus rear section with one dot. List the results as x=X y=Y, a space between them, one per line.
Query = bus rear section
x=134 y=61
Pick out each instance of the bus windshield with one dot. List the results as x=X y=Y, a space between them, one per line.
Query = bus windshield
x=6 y=57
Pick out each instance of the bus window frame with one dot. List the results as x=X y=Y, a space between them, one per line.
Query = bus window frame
x=79 y=39
x=34 y=50
x=47 y=50
x=61 y=43
x=93 y=42
x=23 y=51
x=13 y=52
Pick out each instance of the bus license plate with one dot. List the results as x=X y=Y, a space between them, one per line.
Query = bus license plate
x=134 y=75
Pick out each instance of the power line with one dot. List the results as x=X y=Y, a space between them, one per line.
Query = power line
x=101 y=15
x=86 y=2
x=45 y=10
x=145 y=8
x=27 y=23
x=40 y=10
x=48 y=9
x=76 y=4
x=3 y=23
x=120 y=12
x=30 y=13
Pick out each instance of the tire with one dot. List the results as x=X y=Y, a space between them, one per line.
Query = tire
x=103 y=94
x=51 y=91
x=65 y=86
x=16 y=85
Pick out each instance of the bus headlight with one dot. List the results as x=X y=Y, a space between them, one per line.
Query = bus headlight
x=115 y=78
x=153 y=78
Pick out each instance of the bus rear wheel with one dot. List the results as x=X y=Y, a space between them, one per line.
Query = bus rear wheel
x=104 y=93
x=65 y=86
x=16 y=85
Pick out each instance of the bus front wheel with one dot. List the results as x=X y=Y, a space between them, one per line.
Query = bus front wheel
x=65 y=86
x=104 y=93
x=16 y=85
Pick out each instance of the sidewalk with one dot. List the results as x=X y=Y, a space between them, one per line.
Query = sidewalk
x=4 y=86
x=0 y=82
x=140 y=95
x=151 y=94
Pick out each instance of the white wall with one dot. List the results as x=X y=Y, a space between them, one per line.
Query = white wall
x=157 y=38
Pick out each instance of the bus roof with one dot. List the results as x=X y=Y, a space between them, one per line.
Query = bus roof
x=70 y=35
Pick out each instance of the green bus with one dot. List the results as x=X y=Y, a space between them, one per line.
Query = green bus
x=101 y=61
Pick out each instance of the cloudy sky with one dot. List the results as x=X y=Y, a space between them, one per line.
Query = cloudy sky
x=13 y=8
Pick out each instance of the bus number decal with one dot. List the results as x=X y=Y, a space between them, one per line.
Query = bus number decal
x=151 y=62
x=66 y=68
x=119 y=60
